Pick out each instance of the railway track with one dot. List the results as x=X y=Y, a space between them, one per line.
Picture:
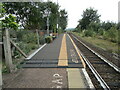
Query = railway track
x=103 y=73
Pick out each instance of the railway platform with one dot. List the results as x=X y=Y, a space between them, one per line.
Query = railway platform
x=54 y=65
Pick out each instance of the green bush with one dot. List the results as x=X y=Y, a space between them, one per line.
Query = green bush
x=117 y=37
x=112 y=35
x=26 y=48
x=26 y=41
x=101 y=31
x=89 y=33
x=29 y=38
x=42 y=39
x=48 y=39
x=20 y=34
x=4 y=68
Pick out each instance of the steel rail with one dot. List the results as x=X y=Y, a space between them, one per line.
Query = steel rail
x=101 y=57
x=96 y=74
x=99 y=78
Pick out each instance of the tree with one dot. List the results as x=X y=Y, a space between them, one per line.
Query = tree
x=106 y=25
x=95 y=26
x=53 y=16
x=118 y=26
x=9 y=22
x=20 y=9
x=32 y=15
x=63 y=19
x=89 y=15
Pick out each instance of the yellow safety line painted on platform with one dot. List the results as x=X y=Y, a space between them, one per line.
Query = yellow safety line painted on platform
x=63 y=53
x=84 y=65
x=75 y=79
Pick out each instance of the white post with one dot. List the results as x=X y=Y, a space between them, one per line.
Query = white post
x=7 y=50
x=48 y=14
x=38 y=40
x=48 y=25
x=57 y=21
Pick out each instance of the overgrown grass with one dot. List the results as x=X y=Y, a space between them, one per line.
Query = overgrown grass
x=104 y=44
x=4 y=68
x=26 y=41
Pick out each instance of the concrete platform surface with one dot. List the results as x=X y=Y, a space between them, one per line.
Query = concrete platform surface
x=60 y=53
x=57 y=65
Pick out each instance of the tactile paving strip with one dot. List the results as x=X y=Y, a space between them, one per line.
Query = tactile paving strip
x=53 y=63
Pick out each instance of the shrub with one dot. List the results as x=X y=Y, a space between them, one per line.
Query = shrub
x=48 y=39
x=101 y=31
x=26 y=48
x=32 y=46
x=20 y=34
x=111 y=34
x=4 y=68
x=118 y=36
x=29 y=38
x=42 y=39
x=105 y=35
x=89 y=33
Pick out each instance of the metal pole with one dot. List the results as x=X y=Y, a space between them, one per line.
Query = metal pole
x=47 y=25
x=48 y=19
x=57 y=21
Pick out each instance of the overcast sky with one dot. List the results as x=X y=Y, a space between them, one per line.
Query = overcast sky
x=108 y=9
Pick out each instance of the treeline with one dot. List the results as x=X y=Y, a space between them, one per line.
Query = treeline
x=90 y=25
x=33 y=15
x=23 y=18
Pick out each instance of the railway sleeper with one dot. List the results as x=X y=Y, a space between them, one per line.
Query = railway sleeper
x=95 y=58
x=114 y=84
x=107 y=71
x=98 y=63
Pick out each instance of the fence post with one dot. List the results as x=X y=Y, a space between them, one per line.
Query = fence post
x=7 y=50
x=38 y=40
x=1 y=65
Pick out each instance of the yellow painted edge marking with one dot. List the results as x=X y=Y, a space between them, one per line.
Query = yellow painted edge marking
x=84 y=65
x=63 y=53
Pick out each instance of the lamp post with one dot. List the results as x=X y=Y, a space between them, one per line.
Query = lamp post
x=48 y=14
x=57 y=19
x=48 y=23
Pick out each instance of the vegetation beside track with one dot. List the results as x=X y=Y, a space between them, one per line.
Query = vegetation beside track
x=101 y=43
x=105 y=35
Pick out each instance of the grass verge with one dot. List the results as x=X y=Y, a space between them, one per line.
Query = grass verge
x=103 y=44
